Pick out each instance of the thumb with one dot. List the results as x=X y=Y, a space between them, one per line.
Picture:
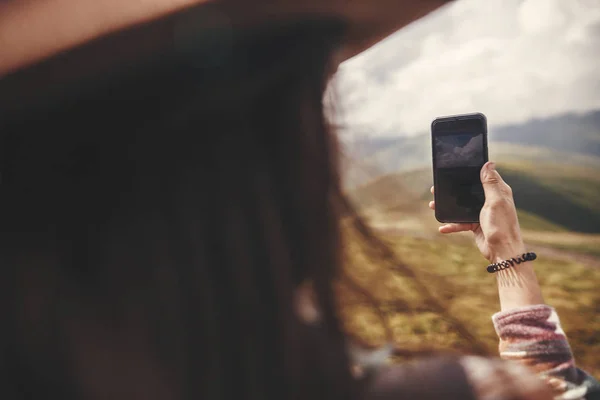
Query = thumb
x=493 y=184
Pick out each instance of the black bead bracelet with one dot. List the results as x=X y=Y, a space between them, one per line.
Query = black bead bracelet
x=510 y=263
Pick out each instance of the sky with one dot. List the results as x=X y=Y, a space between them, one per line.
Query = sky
x=512 y=60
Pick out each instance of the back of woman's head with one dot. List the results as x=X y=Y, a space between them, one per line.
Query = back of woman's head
x=156 y=225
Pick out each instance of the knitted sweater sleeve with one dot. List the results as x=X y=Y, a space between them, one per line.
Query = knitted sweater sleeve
x=533 y=337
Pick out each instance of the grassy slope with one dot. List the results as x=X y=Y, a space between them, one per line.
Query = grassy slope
x=549 y=198
x=385 y=193
x=455 y=273
x=566 y=196
x=514 y=153
x=574 y=243
x=532 y=222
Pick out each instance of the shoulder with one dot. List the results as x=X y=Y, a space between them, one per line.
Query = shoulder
x=466 y=377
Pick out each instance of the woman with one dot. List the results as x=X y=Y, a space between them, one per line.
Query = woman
x=169 y=186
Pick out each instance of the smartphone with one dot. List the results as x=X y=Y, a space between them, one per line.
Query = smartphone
x=460 y=150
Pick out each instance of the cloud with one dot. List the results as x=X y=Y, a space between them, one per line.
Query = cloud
x=452 y=155
x=510 y=59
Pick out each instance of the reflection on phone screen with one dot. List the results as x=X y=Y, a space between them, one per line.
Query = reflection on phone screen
x=459 y=158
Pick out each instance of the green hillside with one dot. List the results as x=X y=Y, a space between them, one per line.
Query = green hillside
x=532 y=222
x=404 y=190
x=516 y=153
x=565 y=196
x=549 y=197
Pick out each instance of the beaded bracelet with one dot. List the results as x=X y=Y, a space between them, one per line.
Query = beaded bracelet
x=499 y=266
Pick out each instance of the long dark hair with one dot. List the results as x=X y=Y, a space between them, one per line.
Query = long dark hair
x=154 y=228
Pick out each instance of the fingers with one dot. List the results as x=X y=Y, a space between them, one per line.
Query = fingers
x=494 y=186
x=432 y=190
x=454 y=228
x=432 y=205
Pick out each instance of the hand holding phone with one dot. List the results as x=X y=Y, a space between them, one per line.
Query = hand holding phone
x=498 y=237
x=460 y=150
x=463 y=182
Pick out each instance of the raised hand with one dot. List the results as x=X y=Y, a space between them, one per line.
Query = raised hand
x=498 y=235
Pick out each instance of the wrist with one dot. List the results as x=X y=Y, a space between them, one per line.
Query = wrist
x=517 y=283
x=518 y=288
x=506 y=252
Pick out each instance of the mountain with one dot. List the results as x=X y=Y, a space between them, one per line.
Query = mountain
x=574 y=133
x=573 y=139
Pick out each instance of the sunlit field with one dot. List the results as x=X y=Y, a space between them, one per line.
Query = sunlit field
x=455 y=275
x=447 y=305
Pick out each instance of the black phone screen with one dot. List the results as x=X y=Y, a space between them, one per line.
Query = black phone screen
x=458 y=157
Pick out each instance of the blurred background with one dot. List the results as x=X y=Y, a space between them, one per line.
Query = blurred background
x=532 y=67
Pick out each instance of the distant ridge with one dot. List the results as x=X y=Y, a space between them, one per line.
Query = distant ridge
x=572 y=139
x=575 y=133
